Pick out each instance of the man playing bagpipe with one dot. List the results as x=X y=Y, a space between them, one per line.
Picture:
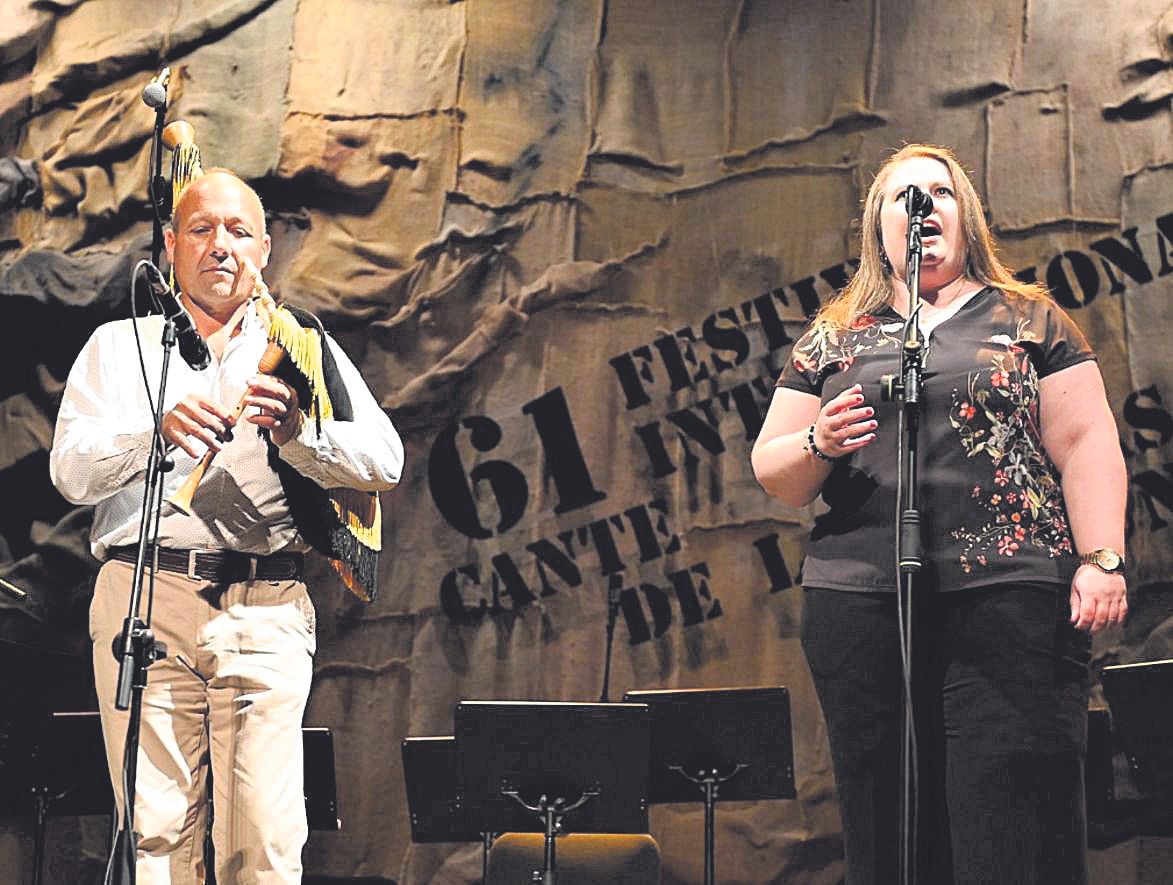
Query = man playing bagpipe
x=293 y=459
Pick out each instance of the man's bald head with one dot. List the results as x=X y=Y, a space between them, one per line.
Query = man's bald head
x=207 y=177
x=217 y=228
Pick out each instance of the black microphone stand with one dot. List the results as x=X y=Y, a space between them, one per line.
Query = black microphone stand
x=155 y=96
x=614 y=587
x=136 y=647
x=909 y=545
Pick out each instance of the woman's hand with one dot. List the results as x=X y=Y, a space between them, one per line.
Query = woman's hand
x=1098 y=599
x=782 y=460
x=845 y=424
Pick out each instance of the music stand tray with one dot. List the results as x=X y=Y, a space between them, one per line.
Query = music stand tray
x=320 y=781
x=1138 y=695
x=429 y=773
x=731 y=743
x=702 y=730
x=557 y=750
x=69 y=775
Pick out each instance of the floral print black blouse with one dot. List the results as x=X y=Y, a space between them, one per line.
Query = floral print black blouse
x=991 y=505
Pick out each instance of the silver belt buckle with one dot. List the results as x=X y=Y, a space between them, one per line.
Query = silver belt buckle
x=191 y=564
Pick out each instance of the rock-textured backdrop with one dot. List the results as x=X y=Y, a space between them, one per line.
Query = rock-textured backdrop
x=569 y=243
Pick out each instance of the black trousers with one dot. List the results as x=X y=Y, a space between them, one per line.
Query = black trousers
x=1001 y=709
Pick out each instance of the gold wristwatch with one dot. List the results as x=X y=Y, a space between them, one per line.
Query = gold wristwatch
x=1105 y=559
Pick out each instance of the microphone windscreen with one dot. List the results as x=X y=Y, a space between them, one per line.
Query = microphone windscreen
x=194 y=350
x=919 y=203
x=155 y=95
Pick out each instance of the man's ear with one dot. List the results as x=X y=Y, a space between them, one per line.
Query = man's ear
x=266 y=249
x=169 y=245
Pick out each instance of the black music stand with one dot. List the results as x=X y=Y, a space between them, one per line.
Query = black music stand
x=1138 y=697
x=1142 y=725
x=553 y=767
x=69 y=775
x=320 y=782
x=731 y=743
x=429 y=774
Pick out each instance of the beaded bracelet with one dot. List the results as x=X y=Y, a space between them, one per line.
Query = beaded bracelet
x=813 y=449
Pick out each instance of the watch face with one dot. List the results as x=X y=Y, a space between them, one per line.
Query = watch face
x=1107 y=559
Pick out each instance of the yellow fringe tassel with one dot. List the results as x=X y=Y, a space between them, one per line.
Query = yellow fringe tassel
x=185 y=168
x=304 y=348
x=361 y=514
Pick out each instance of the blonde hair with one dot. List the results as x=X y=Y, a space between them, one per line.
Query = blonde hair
x=871 y=289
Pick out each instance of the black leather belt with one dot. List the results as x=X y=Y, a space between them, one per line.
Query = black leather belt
x=221 y=566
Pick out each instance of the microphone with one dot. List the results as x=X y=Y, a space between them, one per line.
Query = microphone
x=918 y=203
x=155 y=92
x=192 y=347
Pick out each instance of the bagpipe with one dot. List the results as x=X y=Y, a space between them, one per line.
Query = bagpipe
x=345 y=525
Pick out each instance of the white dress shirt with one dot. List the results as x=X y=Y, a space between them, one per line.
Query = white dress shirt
x=103 y=438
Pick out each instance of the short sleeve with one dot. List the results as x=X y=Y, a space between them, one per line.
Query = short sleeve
x=802 y=370
x=1063 y=344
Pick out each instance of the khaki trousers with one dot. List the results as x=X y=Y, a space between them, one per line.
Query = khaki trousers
x=230 y=694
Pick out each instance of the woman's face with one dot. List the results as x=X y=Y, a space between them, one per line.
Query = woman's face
x=943 y=249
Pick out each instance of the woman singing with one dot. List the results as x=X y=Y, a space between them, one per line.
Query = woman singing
x=1022 y=497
